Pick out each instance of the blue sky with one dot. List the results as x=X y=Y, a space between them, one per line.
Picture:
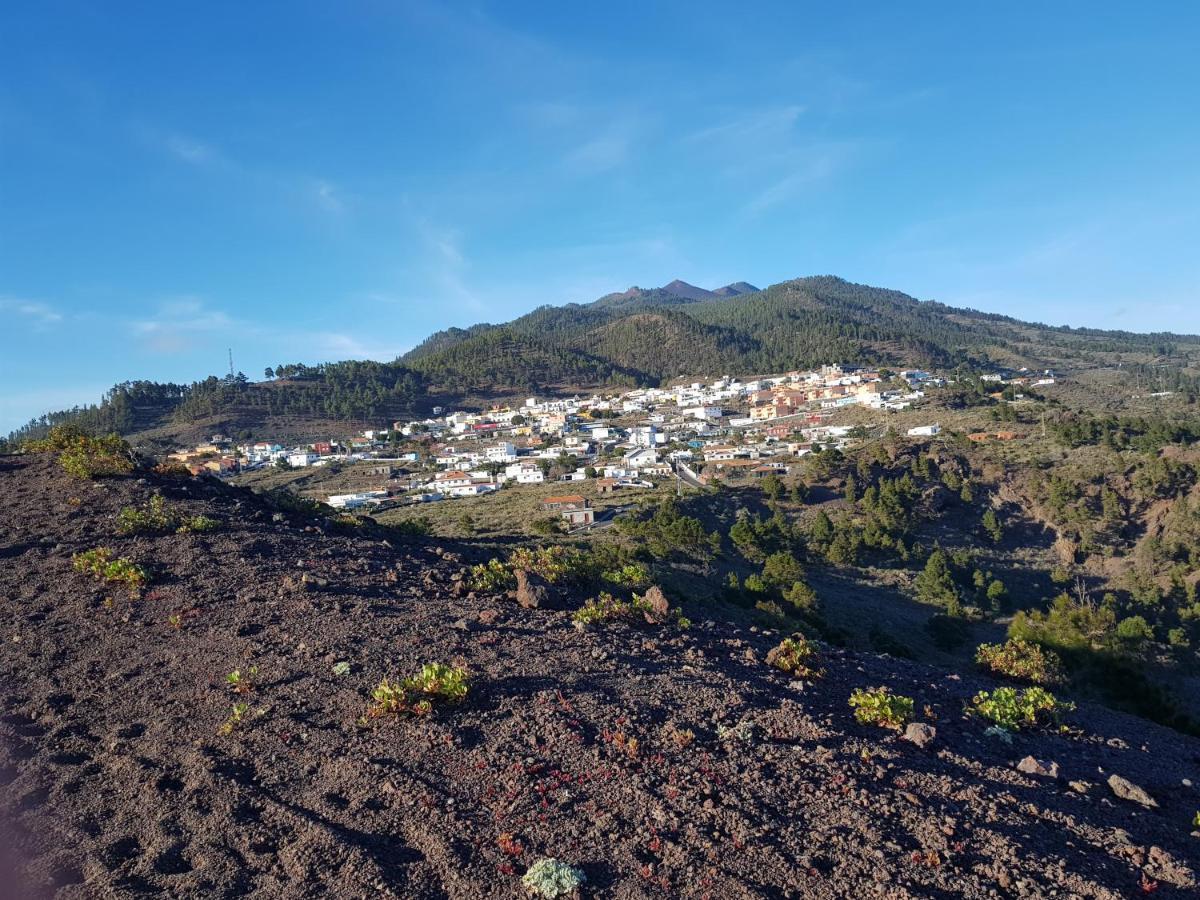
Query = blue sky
x=316 y=181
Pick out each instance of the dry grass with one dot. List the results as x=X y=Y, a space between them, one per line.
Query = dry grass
x=513 y=509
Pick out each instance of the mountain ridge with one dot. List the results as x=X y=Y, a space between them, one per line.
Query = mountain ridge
x=638 y=337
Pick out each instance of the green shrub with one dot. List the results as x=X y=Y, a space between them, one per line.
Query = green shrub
x=155 y=517
x=417 y=526
x=607 y=608
x=196 y=524
x=285 y=501
x=490 y=576
x=781 y=570
x=1068 y=625
x=796 y=656
x=1022 y=661
x=100 y=563
x=548 y=526
x=550 y=878
x=151 y=517
x=602 y=609
x=242 y=682
x=236 y=718
x=84 y=455
x=346 y=523
x=1013 y=709
x=554 y=564
x=879 y=706
x=802 y=596
x=631 y=575
x=991 y=525
x=417 y=694
x=1133 y=632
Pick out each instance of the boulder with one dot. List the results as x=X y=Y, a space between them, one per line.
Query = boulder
x=1033 y=766
x=659 y=609
x=920 y=733
x=1127 y=790
x=533 y=591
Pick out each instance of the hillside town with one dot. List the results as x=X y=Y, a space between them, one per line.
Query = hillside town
x=695 y=432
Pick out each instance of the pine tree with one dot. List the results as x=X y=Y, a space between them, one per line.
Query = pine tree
x=935 y=584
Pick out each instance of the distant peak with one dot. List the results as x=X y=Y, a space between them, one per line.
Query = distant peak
x=738 y=287
x=682 y=289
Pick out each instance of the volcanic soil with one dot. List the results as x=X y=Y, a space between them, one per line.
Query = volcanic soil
x=659 y=762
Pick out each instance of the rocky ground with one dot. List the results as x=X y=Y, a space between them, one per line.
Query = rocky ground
x=660 y=762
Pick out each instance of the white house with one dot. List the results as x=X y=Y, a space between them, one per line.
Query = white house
x=504 y=451
x=643 y=456
x=645 y=436
x=925 y=430
x=448 y=481
x=721 y=454
x=473 y=489
x=524 y=473
x=355 y=501
x=301 y=460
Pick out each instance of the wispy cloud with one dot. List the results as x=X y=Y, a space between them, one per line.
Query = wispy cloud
x=550 y=113
x=743 y=128
x=768 y=154
x=448 y=266
x=599 y=154
x=338 y=346
x=804 y=173
x=328 y=197
x=179 y=322
x=190 y=150
x=291 y=189
x=591 y=138
x=187 y=323
x=36 y=313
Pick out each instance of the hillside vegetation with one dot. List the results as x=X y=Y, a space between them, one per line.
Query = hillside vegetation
x=795 y=324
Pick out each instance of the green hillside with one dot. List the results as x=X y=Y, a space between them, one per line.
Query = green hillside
x=642 y=337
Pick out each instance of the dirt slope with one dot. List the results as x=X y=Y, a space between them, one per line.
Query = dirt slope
x=115 y=781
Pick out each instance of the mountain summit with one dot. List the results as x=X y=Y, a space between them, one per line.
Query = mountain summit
x=735 y=289
x=690 y=291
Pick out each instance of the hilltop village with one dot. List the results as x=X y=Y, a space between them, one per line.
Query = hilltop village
x=696 y=432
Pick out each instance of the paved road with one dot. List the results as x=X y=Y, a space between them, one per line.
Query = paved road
x=688 y=477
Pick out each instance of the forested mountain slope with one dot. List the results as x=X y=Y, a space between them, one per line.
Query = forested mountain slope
x=640 y=337
x=347 y=391
x=804 y=322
